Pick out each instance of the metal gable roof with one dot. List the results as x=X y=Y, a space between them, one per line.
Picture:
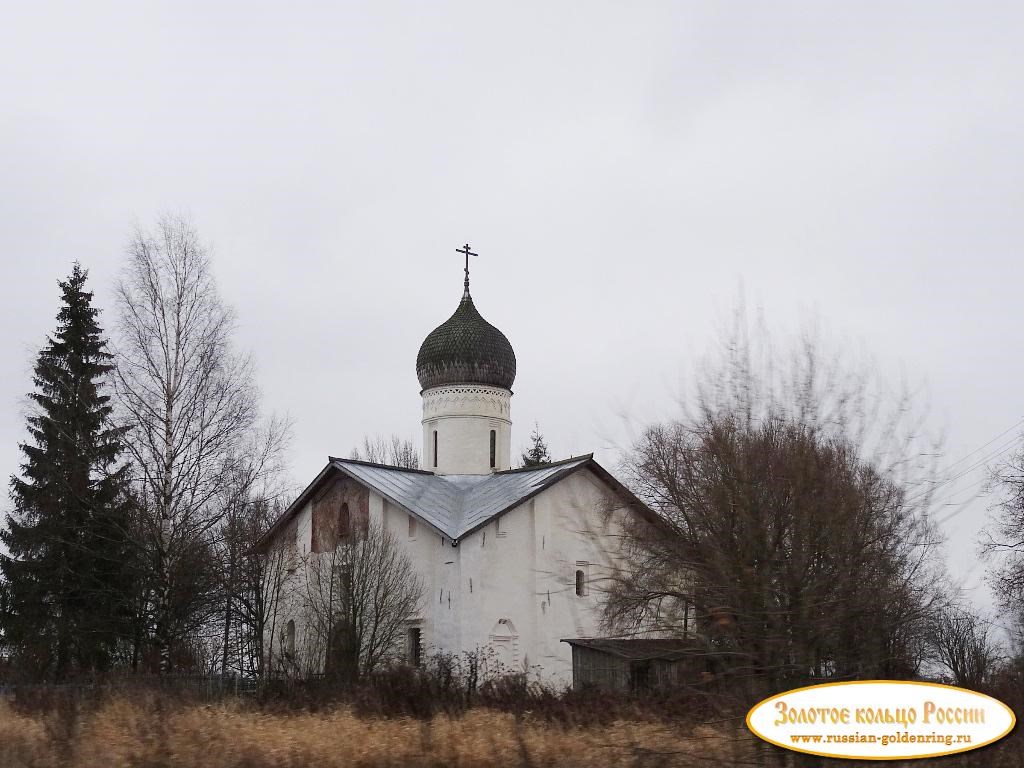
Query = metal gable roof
x=457 y=504
x=454 y=505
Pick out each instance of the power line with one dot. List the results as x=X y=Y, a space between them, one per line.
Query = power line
x=951 y=492
x=999 y=451
x=1003 y=448
x=986 y=445
x=963 y=506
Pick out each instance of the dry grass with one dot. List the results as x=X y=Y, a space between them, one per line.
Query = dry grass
x=143 y=731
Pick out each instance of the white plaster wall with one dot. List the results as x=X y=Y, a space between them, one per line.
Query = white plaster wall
x=520 y=568
x=464 y=415
x=523 y=570
x=435 y=561
x=290 y=605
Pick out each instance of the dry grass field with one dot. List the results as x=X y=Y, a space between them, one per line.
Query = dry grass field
x=141 y=731
x=150 y=729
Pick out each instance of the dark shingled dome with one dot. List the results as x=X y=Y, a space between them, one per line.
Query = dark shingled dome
x=466 y=349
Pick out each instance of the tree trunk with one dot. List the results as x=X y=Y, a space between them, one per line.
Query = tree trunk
x=227 y=636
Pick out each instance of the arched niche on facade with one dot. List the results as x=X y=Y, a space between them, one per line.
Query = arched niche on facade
x=504 y=645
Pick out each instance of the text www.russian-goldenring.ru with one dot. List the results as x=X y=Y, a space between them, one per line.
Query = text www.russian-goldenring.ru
x=948 y=739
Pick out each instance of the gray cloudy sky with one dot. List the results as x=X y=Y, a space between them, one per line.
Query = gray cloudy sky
x=623 y=169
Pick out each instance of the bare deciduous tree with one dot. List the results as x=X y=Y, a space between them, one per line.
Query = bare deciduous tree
x=251 y=584
x=359 y=599
x=795 y=544
x=964 y=646
x=1003 y=542
x=393 y=451
x=192 y=406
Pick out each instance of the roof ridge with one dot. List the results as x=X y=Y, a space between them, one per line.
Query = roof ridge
x=455 y=510
x=581 y=457
x=332 y=459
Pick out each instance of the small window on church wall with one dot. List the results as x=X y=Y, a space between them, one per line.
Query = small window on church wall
x=291 y=548
x=494 y=446
x=412 y=527
x=415 y=650
x=581 y=583
x=289 y=639
x=435 y=447
x=344 y=521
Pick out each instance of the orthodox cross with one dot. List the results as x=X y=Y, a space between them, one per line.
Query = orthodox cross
x=464 y=250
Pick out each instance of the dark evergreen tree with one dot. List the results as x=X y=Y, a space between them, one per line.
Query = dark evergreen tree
x=537 y=453
x=68 y=579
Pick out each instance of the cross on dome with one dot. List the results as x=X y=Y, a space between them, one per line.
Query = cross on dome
x=467 y=253
x=466 y=349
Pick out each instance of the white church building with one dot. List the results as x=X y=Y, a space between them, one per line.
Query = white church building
x=512 y=560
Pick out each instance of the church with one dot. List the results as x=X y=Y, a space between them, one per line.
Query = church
x=513 y=561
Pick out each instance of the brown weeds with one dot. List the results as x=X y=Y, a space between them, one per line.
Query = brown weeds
x=146 y=731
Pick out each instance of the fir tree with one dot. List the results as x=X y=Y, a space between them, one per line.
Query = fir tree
x=537 y=454
x=67 y=573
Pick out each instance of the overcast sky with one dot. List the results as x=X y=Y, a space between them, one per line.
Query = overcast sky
x=625 y=171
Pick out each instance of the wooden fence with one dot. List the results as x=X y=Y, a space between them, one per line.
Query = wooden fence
x=205 y=687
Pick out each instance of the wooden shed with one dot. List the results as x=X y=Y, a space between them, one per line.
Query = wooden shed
x=632 y=665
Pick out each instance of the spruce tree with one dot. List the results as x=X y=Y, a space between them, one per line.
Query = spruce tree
x=537 y=454
x=67 y=572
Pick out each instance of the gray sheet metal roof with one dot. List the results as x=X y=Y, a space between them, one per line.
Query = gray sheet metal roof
x=638 y=648
x=457 y=504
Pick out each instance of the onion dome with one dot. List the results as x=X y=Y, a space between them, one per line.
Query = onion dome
x=466 y=349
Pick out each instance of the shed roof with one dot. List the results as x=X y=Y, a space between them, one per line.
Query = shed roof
x=637 y=649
